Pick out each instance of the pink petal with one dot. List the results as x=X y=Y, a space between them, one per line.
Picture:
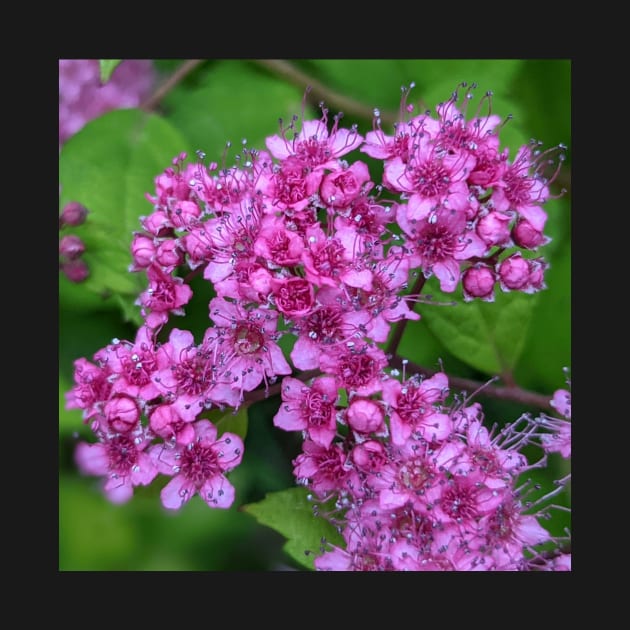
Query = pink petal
x=144 y=472
x=218 y=492
x=119 y=490
x=289 y=420
x=177 y=492
x=92 y=459
x=305 y=354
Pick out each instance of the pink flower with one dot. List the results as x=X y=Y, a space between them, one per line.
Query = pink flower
x=134 y=365
x=120 y=457
x=325 y=470
x=523 y=189
x=165 y=295
x=412 y=408
x=291 y=185
x=293 y=296
x=330 y=322
x=341 y=187
x=356 y=366
x=558 y=440
x=92 y=388
x=310 y=409
x=166 y=422
x=278 y=245
x=186 y=374
x=199 y=467
x=439 y=241
x=313 y=145
x=244 y=344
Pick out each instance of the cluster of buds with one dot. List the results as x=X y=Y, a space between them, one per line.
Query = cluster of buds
x=71 y=247
x=297 y=241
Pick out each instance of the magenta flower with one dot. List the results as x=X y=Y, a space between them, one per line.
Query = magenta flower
x=199 y=467
x=92 y=388
x=309 y=409
x=166 y=295
x=121 y=458
x=293 y=296
x=325 y=470
x=523 y=189
x=440 y=240
x=244 y=344
x=558 y=440
x=313 y=145
x=276 y=244
x=413 y=408
x=134 y=365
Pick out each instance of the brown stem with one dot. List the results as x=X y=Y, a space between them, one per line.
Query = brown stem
x=512 y=393
x=320 y=92
x=399 y=327
x=261 y=394
x=164 y=88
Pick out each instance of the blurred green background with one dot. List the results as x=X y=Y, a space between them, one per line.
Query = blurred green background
x=224 y=100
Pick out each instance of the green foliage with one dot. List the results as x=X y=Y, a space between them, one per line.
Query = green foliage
x=290 y=513
x=230 y=422
x=203 y=108
x=107 y=67
x=482 y=333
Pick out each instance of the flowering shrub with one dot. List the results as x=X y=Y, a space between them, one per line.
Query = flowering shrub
x=314 y=263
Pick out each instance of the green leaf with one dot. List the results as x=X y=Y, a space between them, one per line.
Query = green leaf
x=487 y=336
x=230 y=101
x=548 y=345
x=107 y=67
x=290 y=513
x=232 y=422
x=109 y=166
x=106 y=537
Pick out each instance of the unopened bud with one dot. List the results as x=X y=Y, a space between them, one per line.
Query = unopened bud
x=73 y=214
x=71 y=247
x=76 y=270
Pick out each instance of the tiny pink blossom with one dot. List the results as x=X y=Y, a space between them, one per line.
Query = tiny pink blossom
x=339 y=188
x=121 y=459
x=294 y=296
x=199 y=467
x=310 y=409
x=165 y=295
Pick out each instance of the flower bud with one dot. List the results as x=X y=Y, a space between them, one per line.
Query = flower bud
x=76 y=270
x=122 y=413
x=493 y=228
x=365 y=416
x=514 y=272
x=142 y=250
x=73 y=214
x=478 y=282
x=527 y=236
x=71 y=247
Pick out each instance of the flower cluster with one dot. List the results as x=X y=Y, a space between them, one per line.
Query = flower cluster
x=414 y=484
x=83 y=97
x=297 y=241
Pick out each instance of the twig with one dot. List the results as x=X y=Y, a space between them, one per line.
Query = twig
x=185 y=69
x=399 y=327
x=512 y=393
x=320 y=92
x=262 y=394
